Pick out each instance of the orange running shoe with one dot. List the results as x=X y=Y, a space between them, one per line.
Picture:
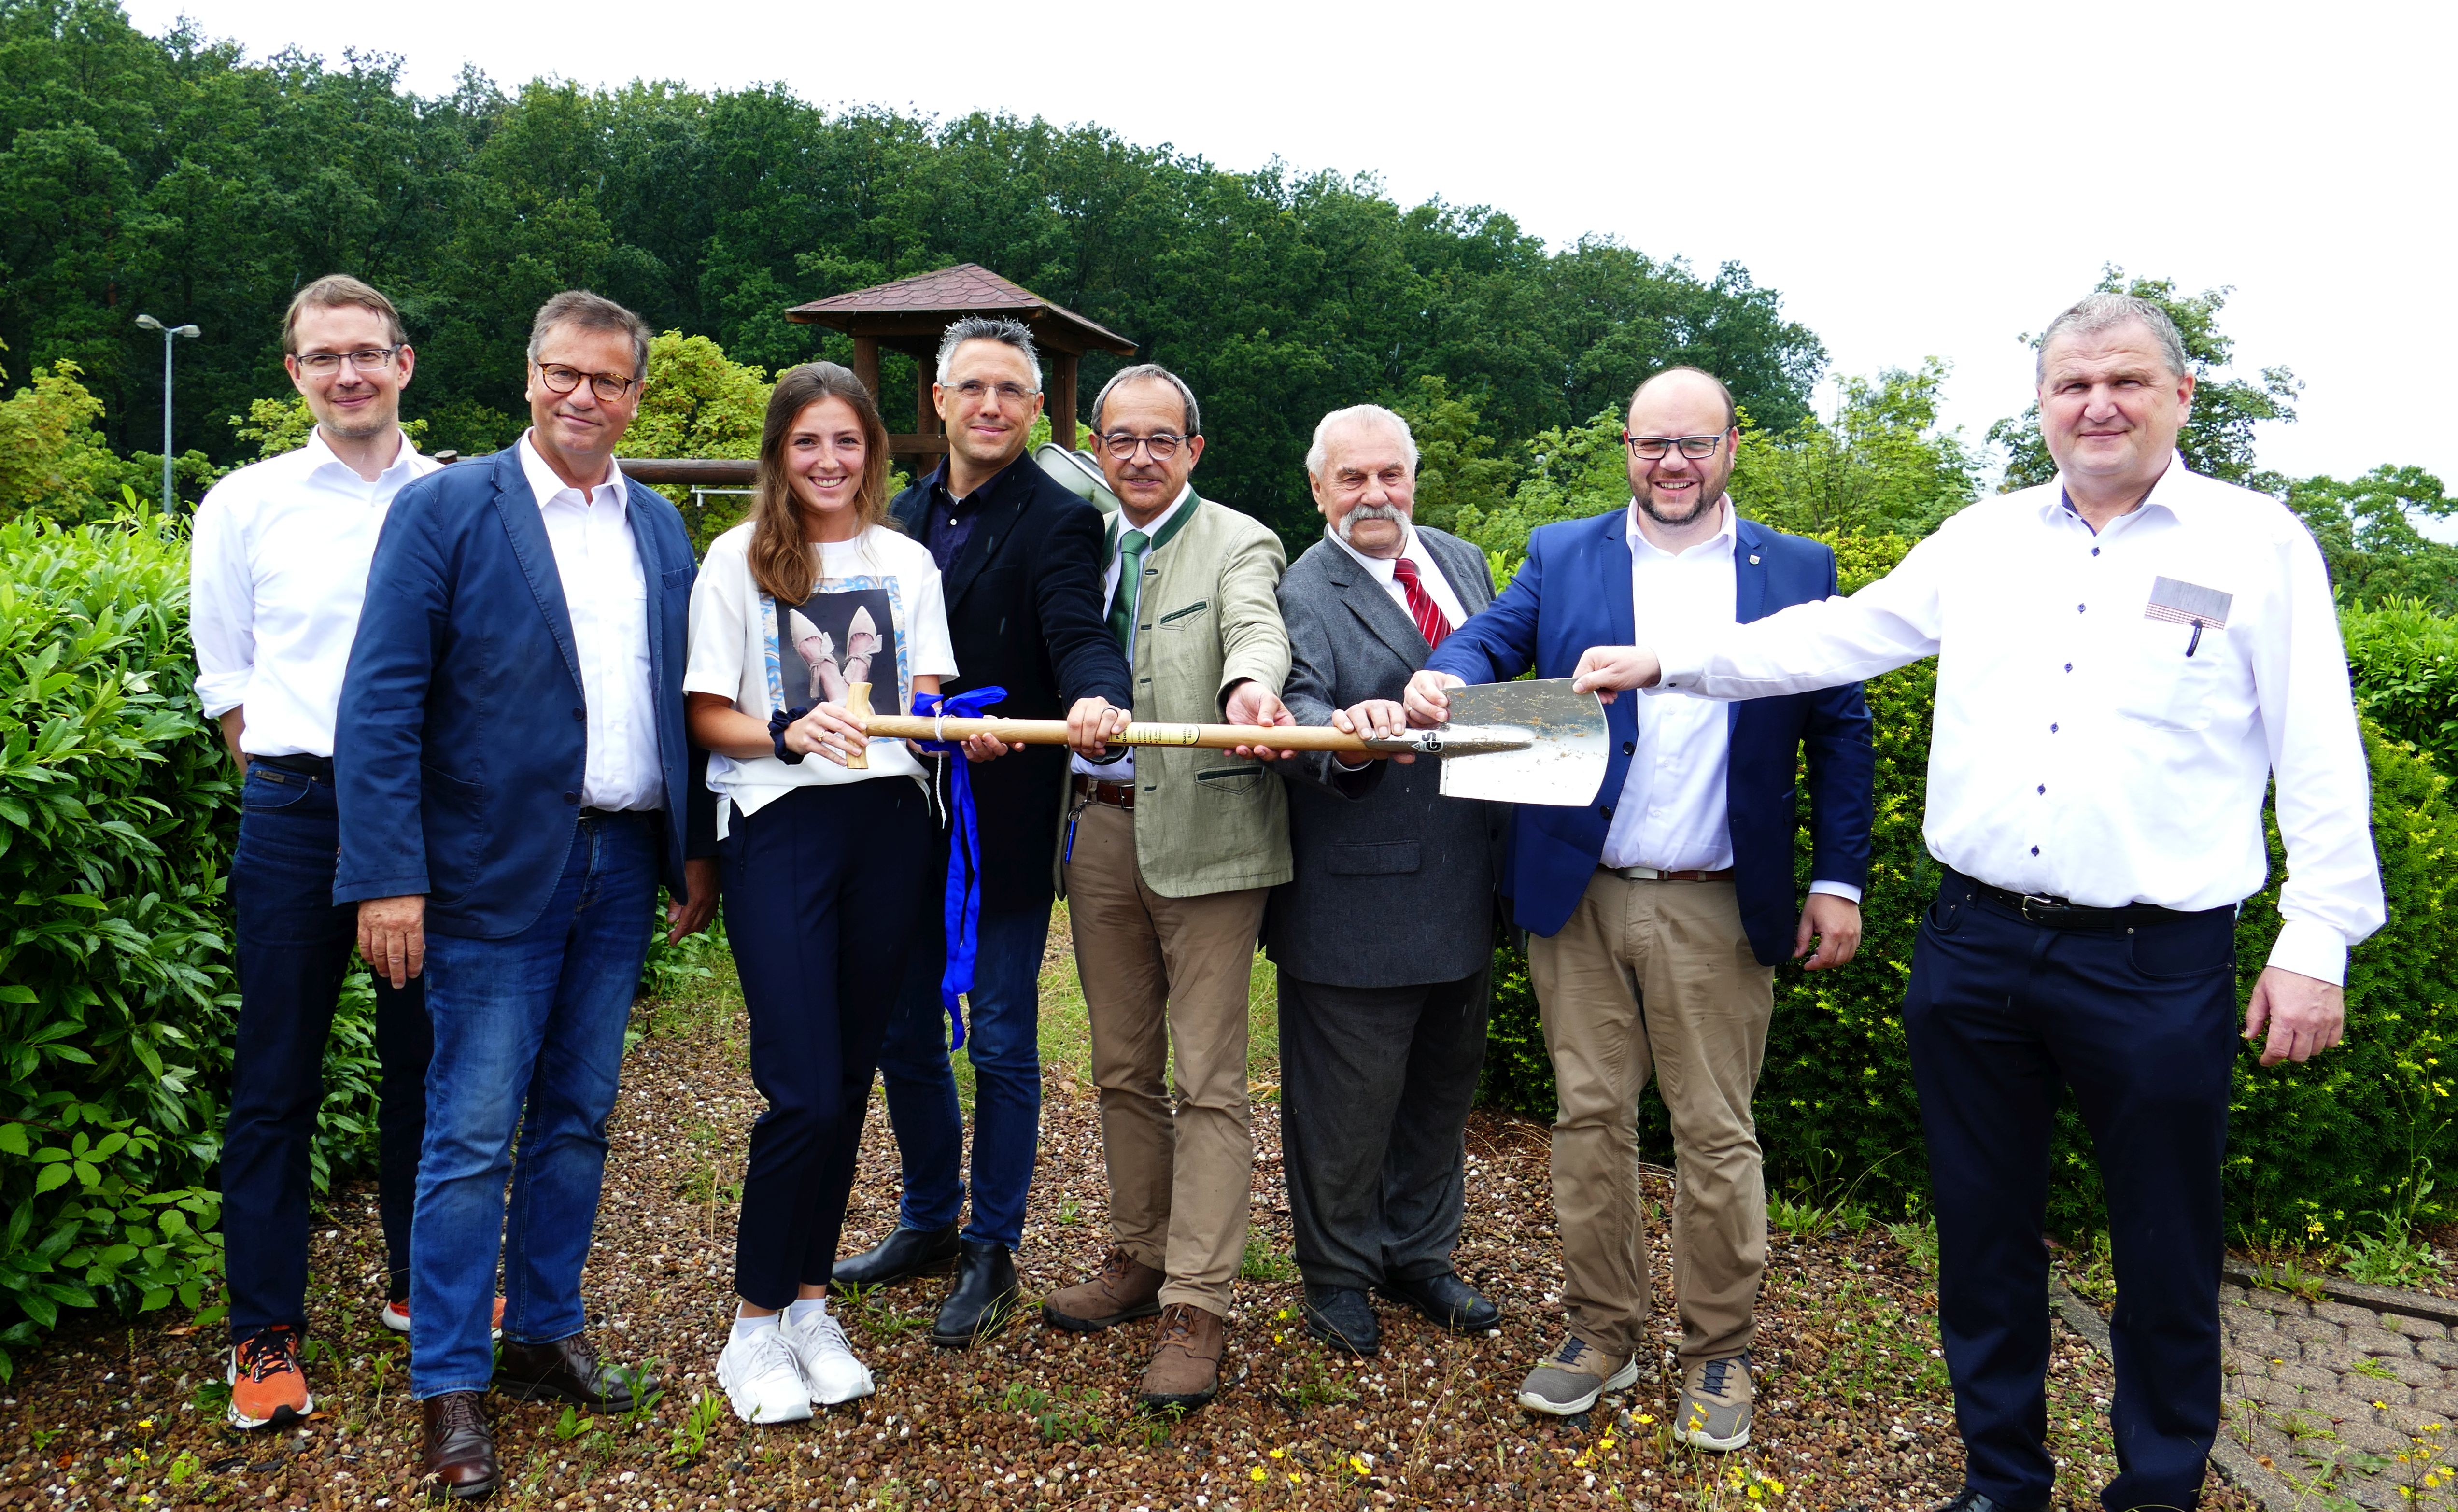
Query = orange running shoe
x=266 y=1386
x=396 y=1317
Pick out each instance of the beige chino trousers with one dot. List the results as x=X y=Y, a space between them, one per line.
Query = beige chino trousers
x=1656 y=976
x=1163 y=975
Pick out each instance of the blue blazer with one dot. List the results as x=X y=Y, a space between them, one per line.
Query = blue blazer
x=462 y=732
x=1573 y=593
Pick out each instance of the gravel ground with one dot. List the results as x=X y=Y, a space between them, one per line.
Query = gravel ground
x=1853 y=1406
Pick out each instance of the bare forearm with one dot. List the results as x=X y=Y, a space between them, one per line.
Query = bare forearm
x=719 y=726
x=234 y=723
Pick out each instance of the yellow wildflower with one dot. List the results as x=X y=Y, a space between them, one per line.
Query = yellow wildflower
x=1257 y=1474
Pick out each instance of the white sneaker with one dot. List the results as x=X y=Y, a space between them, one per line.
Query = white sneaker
x=761 y=1378
x=829 y=1366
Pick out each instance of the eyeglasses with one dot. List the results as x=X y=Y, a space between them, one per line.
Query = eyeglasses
x=323 y=364
x=1652 y=448
x=972 y=389
x=608 y=386
x=1121 y=446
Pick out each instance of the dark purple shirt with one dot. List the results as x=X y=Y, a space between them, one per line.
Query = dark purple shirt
x=949 y=525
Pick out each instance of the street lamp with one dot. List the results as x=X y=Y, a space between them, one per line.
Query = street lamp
x=147 y=323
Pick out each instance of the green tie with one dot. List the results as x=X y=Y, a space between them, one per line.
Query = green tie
x=1131 y=572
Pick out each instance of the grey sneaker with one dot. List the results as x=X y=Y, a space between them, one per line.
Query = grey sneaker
x=1714 y=1404
x=1570 y=1380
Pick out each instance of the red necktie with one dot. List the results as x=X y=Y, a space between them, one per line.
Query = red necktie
x=1430 y=623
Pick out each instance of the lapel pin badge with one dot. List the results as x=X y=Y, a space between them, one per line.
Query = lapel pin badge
x=1753 y=559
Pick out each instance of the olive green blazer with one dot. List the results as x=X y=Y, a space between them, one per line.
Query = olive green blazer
x=1209 y=617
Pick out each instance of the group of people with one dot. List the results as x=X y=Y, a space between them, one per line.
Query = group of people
x=392 y=649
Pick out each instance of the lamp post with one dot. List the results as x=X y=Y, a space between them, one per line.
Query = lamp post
x=147 y=323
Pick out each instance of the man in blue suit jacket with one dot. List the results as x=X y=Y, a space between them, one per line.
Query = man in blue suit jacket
x=514 y=783
x=1659 y=912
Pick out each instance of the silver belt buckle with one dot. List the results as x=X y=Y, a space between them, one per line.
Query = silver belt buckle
x=1638 y=874
x=2047 y=904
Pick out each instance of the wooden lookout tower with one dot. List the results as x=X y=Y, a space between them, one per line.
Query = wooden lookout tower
x=910 y=315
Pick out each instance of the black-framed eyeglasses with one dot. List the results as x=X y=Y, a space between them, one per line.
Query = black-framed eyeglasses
x=607 y=386
x=1121 y=446
x=1652 y=448
x=972 y=389
x=324 y=364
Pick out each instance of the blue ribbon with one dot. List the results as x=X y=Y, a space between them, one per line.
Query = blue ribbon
x=962 y=909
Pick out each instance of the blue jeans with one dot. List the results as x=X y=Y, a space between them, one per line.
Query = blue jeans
x=2001 y=1017
x=294 y=949
x=1002 y=1040
x=528 y=1036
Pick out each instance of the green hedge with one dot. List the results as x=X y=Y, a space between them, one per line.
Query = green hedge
x=2314 y=1150
x=117 y=813
x=2405 y=662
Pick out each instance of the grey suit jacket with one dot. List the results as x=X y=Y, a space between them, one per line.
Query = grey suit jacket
x=1393 y=883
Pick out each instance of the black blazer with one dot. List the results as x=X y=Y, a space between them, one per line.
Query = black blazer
x=1024 y=611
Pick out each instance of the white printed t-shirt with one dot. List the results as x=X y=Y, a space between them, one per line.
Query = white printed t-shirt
x=877 y=613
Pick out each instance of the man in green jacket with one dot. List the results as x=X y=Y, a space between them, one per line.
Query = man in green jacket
x=1169 y=856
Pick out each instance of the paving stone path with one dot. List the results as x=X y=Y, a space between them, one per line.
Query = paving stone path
x=2345 y=1404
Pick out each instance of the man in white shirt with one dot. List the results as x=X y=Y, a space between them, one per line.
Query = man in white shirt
x=516 y=785
x=1383 y=934
x=1657 y=917
x=278 y=567
x=2127 y=657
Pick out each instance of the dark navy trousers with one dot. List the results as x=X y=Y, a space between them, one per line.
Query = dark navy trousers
x=294 y=949
x=2002 y=1016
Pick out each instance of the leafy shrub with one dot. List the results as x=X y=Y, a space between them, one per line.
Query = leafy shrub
x=2404 y=661
x=117 y=813
x=2318 y=1150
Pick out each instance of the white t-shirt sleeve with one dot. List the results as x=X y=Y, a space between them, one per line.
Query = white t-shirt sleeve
x=926 y=625
x=720 y=616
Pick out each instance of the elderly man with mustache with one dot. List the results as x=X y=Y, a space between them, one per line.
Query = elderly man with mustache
x=1383 y=937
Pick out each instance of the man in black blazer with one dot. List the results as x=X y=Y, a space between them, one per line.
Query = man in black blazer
x=1384 y=935
x=1021 y=559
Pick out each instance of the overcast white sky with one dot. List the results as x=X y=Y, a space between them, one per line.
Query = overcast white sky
x=1915 y=179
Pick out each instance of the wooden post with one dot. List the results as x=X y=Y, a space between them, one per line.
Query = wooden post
x=925 y=420
x=1062 y=398
x=866 y=363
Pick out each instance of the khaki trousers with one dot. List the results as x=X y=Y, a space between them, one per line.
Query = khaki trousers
x=1163 y=975
x=1657 y=975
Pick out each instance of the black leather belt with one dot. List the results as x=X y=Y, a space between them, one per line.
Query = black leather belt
x=2051 y=912
x=320 y=768
x=615 y=816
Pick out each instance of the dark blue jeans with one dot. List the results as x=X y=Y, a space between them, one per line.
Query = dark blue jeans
x=529 y=1037
x=2001 y=1017
x=1003 y=1042
x=822 y=888
x=294 y=949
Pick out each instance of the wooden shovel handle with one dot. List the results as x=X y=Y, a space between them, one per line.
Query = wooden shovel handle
x=1054 y=731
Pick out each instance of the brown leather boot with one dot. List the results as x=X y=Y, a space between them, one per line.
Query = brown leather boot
x=1126 y=1289
x=567 y=1370
x=459 y=1448
x=1185 y=1369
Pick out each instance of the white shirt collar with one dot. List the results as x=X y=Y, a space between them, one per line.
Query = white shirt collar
x=1160 y=522
x=1720 y=542
x=317 y=454
x=2174 y=492
x=547 y=485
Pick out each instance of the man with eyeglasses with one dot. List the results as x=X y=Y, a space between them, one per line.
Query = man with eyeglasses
x=1020 y=564
x=1658 y=914
x=277 y=569
x=1169 y=855
x=515 y=784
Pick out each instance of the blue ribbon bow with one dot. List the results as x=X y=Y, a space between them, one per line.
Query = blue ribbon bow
x=962 y=909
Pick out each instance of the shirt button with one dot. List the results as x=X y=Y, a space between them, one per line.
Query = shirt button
x=2078 y=608
x=2035 y=849
x=2069 y=666
x=2094 y=551
x=2052 y=729
x=1606 y=810
x=2044 y=787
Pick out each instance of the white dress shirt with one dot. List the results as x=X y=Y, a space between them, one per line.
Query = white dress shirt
x=1429 y=575
x=1673 y=813
x=277 y=573
x=1123 y=769
x=2079 y=751
x=606 y=593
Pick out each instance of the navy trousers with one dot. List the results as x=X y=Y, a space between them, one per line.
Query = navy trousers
x=824 y=890
x=2002 y=1016
x=294 y=949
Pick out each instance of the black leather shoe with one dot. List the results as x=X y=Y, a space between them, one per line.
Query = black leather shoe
x=907 y=1251
x=567 y=1370
x=983 y=1300
x=1447 y=1302
x=459 y=1449
x=1342 y=1317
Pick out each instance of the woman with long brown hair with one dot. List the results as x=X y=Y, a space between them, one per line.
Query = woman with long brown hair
x=823 y=866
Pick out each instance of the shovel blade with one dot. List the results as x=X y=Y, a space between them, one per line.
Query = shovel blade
x=1562 y=765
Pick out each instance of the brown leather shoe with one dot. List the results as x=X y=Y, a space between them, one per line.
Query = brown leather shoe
x=459 y=1448
x=567 y=1370
x=1185 y=1369
x=1126 y=1289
